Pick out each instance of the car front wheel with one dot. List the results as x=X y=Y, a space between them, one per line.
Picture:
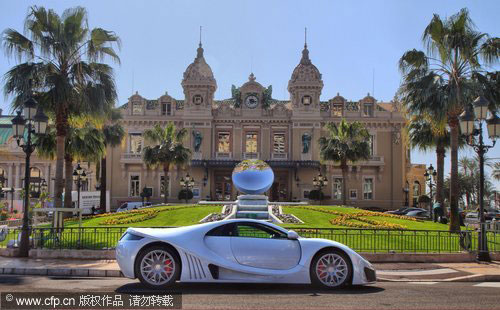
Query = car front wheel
x=331 y=269
x=157 y=267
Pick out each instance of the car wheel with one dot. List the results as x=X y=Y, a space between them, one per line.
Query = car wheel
x=330 y=269
x=157 y=267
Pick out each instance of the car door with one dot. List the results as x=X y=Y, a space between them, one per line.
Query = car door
x=261 y=246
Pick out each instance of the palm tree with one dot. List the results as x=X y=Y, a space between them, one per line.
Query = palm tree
x=425 y=133
x=495 y=174
x=456 y=52
x=113 y=136
x=469 y=168
x=345 y=142
x=61 y=55
x=166 y=149
x=82 y=143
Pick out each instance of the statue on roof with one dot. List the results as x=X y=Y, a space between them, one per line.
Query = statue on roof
x=236 y=95
x=267 y=97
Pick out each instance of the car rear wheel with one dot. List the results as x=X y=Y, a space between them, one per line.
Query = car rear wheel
x=157 y=267
x=331 y=269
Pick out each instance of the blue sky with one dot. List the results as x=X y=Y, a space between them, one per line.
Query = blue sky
x=348 y=42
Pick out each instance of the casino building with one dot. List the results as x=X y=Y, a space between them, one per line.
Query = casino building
x=252 y=124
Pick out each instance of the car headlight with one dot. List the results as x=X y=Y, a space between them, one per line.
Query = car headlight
x=130 y=237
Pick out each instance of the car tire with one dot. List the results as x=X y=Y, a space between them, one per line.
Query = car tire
x=331 y=269
x=158 y=267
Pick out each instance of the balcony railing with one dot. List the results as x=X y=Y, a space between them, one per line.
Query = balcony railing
x=131 y=157
x=197 y=155
x=250 y=155
x=279 y=156
x=223 y=155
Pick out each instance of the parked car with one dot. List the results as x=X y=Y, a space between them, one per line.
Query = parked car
x=471 y=218
x=491 y=214
x=238 y=251
x=420 y=214
x=127 y=206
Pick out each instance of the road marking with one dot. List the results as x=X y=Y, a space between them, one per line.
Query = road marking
x=423 y=282
x=416 y=272
x=488 y=284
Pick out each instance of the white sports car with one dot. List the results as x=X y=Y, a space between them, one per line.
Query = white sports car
x=240 y=250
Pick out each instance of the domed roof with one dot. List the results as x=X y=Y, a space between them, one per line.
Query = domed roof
x=305 y=70
x=199 y=70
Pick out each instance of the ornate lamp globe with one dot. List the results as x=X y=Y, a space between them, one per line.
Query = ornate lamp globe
x=253 y=177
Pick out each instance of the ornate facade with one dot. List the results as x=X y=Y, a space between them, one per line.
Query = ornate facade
x=252 y=124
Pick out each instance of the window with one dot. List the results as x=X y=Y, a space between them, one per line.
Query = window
x=35 y=180
x=136 y=142
x=353 y=194
x=251 y=142
x=368 y=189
x=162 y=186
x=306 y=100
x=135 y=185
x=251 y=230
x=368 y=109
x=136 y=108
x=416 y=192
x=279 y=143
x=166 y=108
x=197 y=99
x=337 y=110
x=371 y=141
x=223 y=145
x=337 y=189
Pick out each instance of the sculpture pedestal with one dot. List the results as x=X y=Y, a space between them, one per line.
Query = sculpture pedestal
x=252 y=207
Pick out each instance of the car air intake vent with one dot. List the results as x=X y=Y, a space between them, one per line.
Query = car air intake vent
x=195 y=267
x=214 y=270
x=370 y=275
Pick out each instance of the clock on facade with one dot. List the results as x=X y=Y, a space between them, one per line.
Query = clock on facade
x=251 y=101
x=197 y=99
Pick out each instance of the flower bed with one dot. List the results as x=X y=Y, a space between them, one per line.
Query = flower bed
x=358 y=220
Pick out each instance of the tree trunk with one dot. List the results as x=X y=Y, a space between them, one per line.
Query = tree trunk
x=102 y=200
x=165 y=185
x=68 y=181
x=454 y=220
x=344 y=167
x=440 y=154
x=61 y=131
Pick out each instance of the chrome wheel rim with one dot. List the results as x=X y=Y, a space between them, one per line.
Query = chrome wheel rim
x=331 y=270
x=157 y=267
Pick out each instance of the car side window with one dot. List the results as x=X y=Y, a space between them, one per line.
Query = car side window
x=252 y=230
x=222 y=231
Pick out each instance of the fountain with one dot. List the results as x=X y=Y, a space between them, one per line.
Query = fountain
x=253 y=178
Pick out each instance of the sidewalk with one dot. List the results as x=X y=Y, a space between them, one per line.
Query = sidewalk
x=393 y=272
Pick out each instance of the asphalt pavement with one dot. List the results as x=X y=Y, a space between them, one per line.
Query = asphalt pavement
x=383 y=295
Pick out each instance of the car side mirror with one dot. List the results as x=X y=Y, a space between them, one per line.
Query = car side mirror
x=292 y=235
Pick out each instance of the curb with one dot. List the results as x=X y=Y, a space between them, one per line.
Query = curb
x=468 y=278
x=63 y=272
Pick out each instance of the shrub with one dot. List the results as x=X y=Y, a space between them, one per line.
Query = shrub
x=182 y=194
x=316 y=195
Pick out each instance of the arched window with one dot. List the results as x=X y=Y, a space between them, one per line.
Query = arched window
x=416 y=192
x=3 y=182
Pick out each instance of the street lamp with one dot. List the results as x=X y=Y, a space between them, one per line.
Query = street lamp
x=406 y=190
x=187 y=183
x=79 y=176
x=319 y=182
x=468 y=119
x=35 y=121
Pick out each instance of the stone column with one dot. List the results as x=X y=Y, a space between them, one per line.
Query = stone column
x=17 y=180
x=10 y=177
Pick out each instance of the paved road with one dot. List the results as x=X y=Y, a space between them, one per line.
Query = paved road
x=384 y=295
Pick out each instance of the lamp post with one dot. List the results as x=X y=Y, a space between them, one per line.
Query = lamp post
x=468 y=120
x=35 y=121
x=79 y=176
x=406 y=190
x=187 y=183
x=430 y=174
x=319 y=182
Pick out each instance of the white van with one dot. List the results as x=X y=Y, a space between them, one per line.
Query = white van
x=127 y=206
